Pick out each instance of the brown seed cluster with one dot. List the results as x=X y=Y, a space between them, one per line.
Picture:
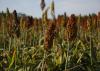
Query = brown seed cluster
x=42 y=4
x=49 y=35
x=84 y=23
x=98 y=16
x=71 y=28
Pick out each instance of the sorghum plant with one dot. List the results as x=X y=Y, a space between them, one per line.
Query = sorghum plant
x=49 y=35
x=71 y=28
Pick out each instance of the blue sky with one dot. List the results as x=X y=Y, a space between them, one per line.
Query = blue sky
x=32 y=7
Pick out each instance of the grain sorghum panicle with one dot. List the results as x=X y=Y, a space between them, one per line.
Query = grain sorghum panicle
x=71 y=28
x=42 y=4
x=49 y=35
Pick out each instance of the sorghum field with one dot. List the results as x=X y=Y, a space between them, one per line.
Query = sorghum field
x=62 y=43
